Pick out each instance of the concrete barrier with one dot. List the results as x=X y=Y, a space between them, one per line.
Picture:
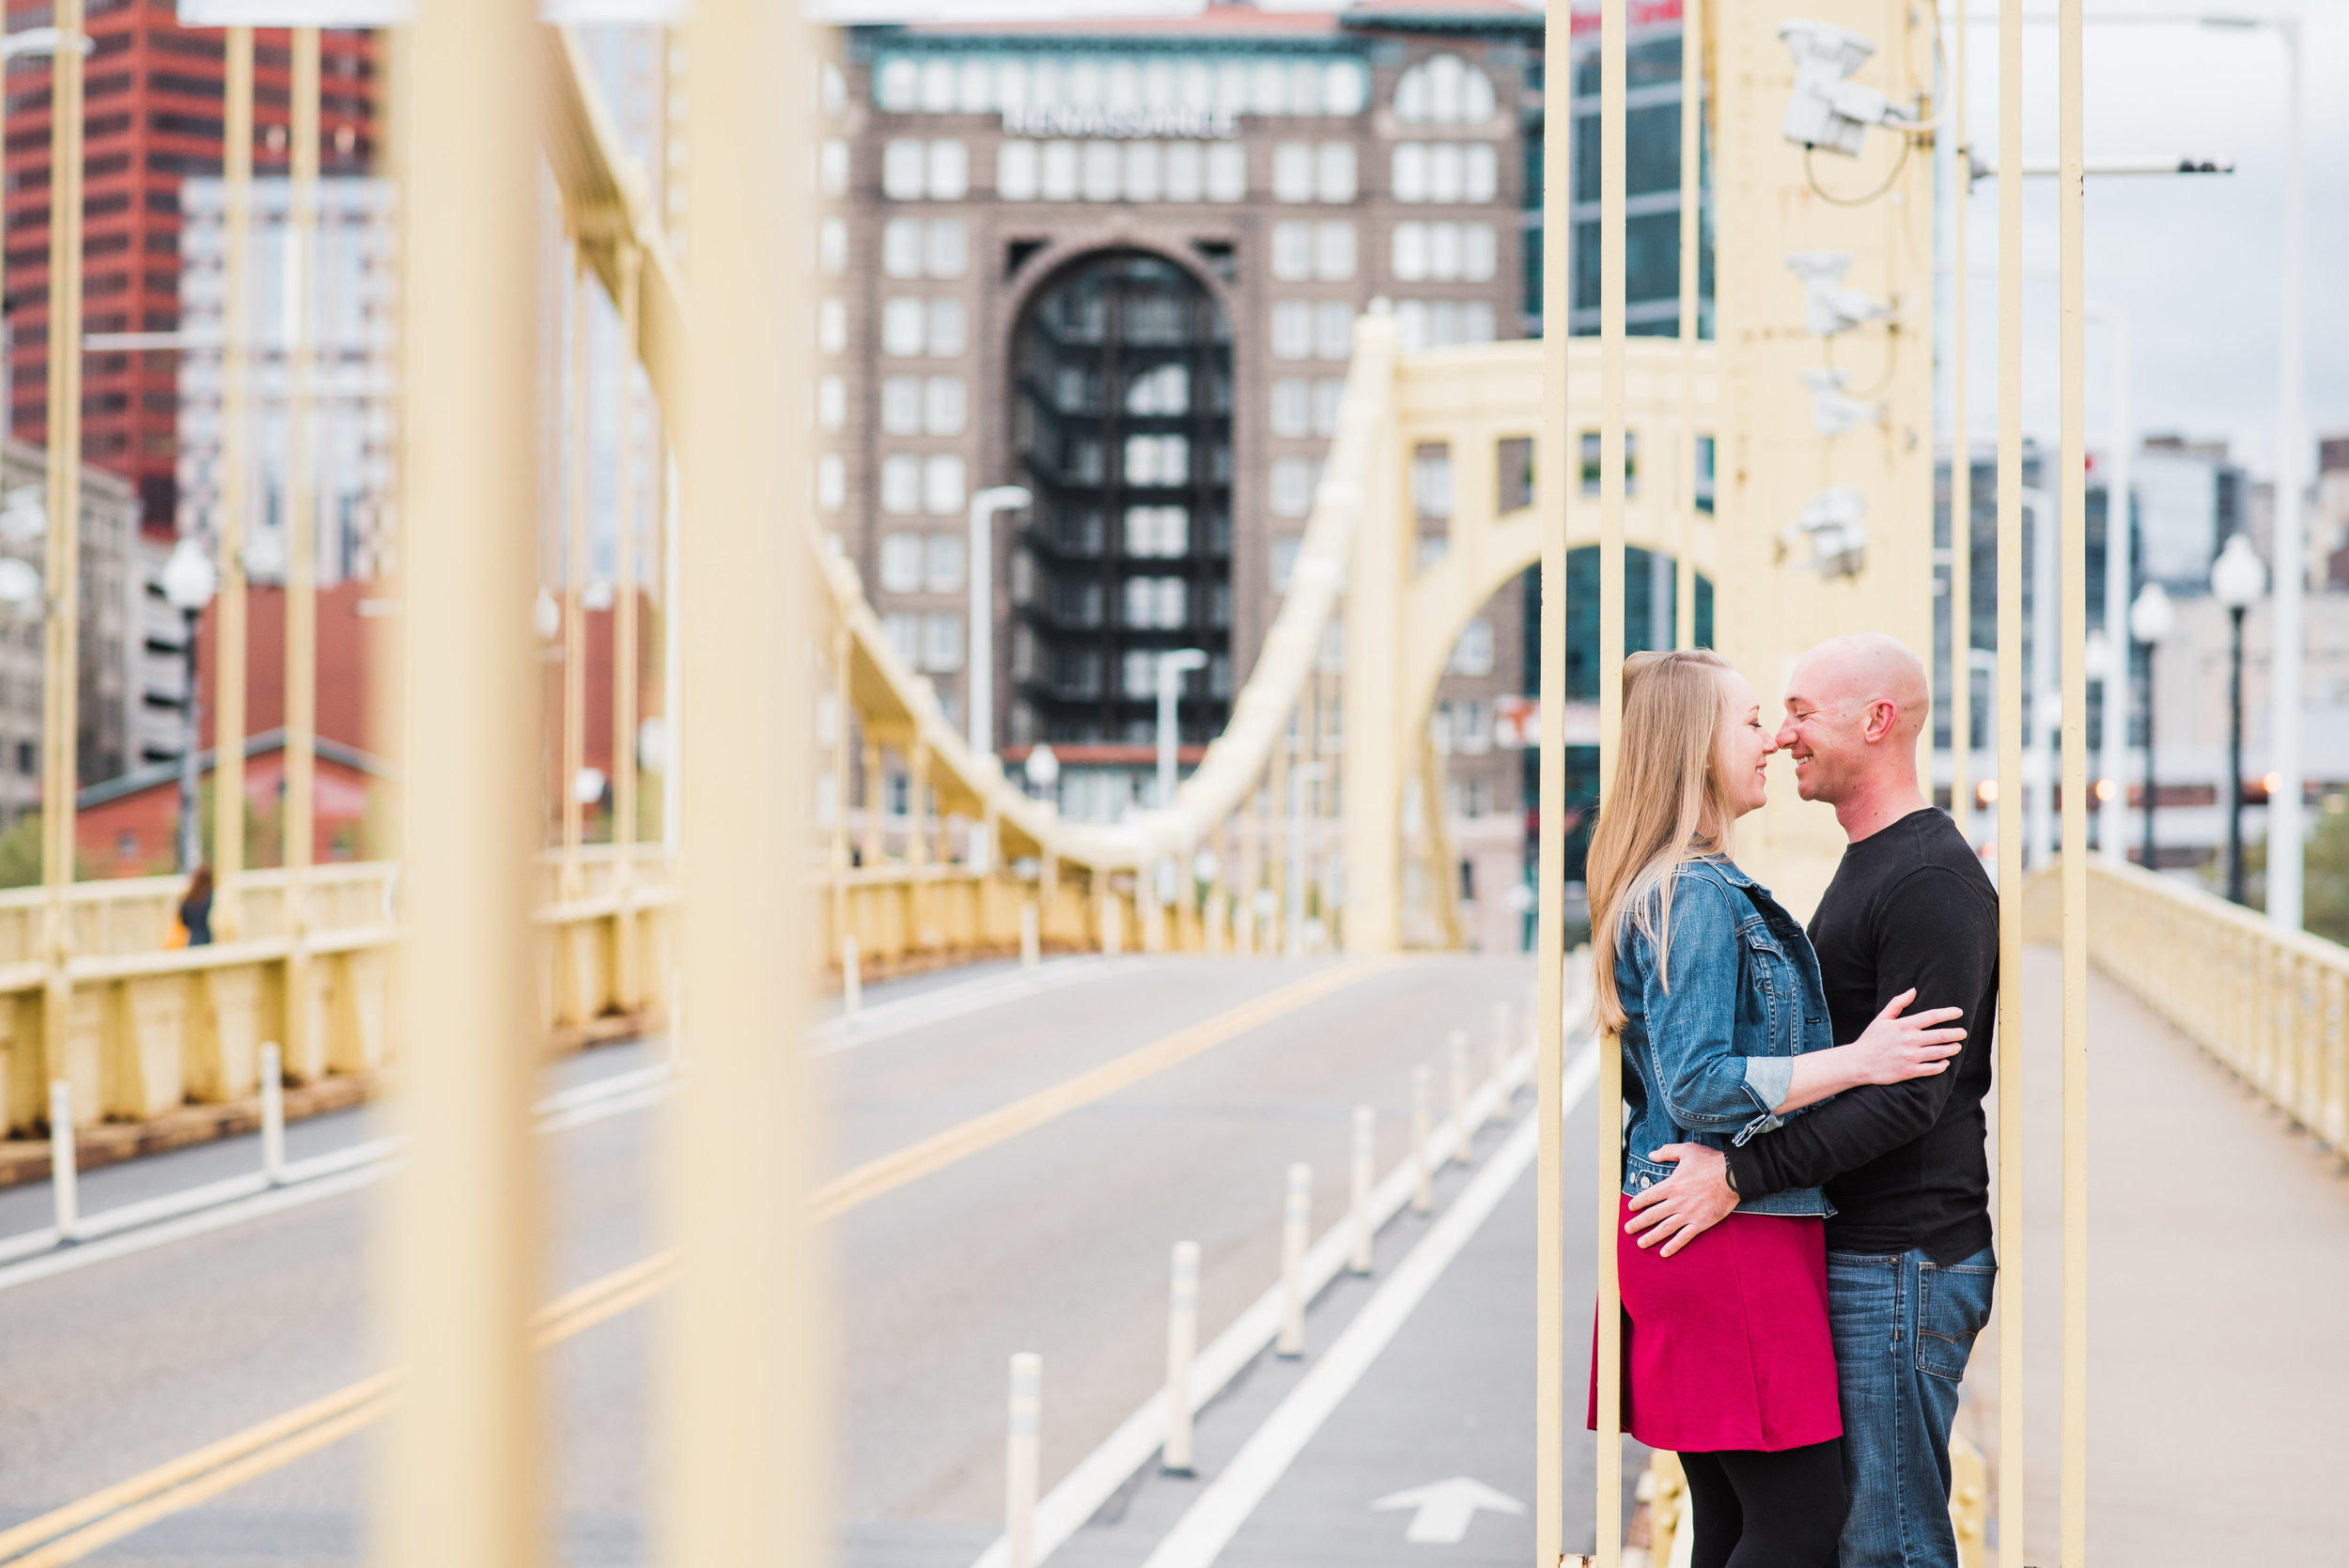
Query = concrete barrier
x=64 y=1174
x=1182 y=1346
x=272 y=1114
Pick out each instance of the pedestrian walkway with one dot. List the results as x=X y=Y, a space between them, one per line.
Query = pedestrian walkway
x=2219 y=1249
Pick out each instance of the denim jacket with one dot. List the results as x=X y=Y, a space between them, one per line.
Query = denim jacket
x=1706 y=1061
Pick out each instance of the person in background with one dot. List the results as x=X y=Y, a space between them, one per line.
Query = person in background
x=195 y=908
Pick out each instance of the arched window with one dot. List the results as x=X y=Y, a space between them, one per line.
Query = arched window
x=1444 y=89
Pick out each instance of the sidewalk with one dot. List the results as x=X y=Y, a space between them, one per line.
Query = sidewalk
x=2219 y=1366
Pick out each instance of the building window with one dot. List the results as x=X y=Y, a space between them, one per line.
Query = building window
x=904 y=167
x=904 y=631
x=832 y=326
x=1333 y=330
x=1158 y=460
x=901 y=405
x=1444 y=252
x=832 y=403
x=1292 y=489
x=1443 y=89
x=1157 y=533
x=832 y=246
x=1101 y=168
x=901 y=248
x=1442 y=323
x=832 y=167
x=1445 y=172
x=1293 y=330
x=1472 y=655
x=1293 y=171
x=1016 y=171
x=912 y=170
x=949 y=171
x=1334 y=172
x=1156 y=603
x=832 y=482
x=1431 y=481
x=1163 y=390
x=948 y=337
x=947 y=251
x=1227 y=171
x=942 y=486
x=941 y=564
x=1513 y=482
x=1293 y=252
x=1284 y=549
x=904 y=325
x=942 y=643
x=944 y=406
x=1329 y=397
x=1589 y=448
x=1292 y=408
x=901 y=485
x=901 y=562
x=1333 y=252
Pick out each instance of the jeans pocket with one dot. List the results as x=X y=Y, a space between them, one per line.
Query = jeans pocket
x=1952 y=1305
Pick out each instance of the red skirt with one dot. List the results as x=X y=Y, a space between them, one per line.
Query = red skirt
x=1725 y=1343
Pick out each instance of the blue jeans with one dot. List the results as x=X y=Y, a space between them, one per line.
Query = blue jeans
x=1904 y=1327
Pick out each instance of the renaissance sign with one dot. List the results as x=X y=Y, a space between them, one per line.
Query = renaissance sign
x=1211 y=125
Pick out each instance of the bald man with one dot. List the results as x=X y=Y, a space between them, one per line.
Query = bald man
x=1909 y=1264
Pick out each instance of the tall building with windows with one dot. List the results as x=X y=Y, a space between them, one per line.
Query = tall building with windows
x=152 y=118
x=1119 y=263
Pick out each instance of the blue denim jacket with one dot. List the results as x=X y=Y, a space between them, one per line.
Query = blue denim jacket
x=1706 y=1061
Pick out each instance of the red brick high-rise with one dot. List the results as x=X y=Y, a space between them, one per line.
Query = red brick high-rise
x=155 y=96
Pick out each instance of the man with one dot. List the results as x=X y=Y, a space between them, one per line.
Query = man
x=1909 y=1262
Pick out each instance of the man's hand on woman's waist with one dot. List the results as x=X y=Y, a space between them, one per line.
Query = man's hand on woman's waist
x=1696 y=1197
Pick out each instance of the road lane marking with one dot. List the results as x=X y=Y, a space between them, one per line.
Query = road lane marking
x=875 y=1177
x=1208 y=1525
x=73 y=1531
x=1082 y=1493
x=882 y=1020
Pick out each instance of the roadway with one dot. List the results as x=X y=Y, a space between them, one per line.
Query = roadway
x=1195 y=1082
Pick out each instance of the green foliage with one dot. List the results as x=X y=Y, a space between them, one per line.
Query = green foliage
x=2324 y=872
x=20 y=855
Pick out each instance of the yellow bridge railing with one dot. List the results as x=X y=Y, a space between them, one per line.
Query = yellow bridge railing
x=2271 y=1005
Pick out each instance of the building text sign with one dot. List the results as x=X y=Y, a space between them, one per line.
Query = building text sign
x=1215 y=125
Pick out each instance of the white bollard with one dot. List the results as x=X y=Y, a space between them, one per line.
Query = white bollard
x=273 y=1114
x=1021 y=1458
x=1422 y=1127
x=1505 y=1036
x=64 y=1174
x=1182 y=1343
x=852 y=982
x=1030 y=937
x=1296 y=1221
x=1457 y=1046
x=1113 y=925
x=1365 y=1151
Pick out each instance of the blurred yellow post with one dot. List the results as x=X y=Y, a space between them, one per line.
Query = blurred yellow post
x=626 y=656
x=302 y=1045
x=464 y=1467
x=1691 y=201
x=578 y=443
x=1612 y=188
x=236 y=459
x=60 y=707
x=1550 y=915
x=2073 y=498
x=1961 y=469
x=2009 y=1066
x=743 y=1403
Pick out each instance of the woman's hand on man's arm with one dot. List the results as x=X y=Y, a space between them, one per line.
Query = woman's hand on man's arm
x=1894 y=1050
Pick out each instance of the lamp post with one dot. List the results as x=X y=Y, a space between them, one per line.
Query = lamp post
x=189 y=583
x=2151 y=619
x=1043 y=772
x=1171 y=668
x=2046 y=689
x=2237 y=579
x=979 y=680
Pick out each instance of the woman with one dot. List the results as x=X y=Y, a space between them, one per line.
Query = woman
x=1715 y=993
x=195 y=908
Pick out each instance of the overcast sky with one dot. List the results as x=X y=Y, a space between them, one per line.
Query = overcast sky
x=2192 y=264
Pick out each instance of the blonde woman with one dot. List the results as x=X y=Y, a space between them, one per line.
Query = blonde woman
x=1714 y=991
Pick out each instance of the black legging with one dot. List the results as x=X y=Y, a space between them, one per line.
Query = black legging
x=1756 y=1510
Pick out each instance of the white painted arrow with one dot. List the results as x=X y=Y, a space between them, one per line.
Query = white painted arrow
x=1445 y=1508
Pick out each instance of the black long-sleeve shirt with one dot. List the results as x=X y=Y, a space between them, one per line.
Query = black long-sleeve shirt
x=1904 y=1163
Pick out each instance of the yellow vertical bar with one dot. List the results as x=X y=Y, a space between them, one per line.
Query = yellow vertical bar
x=462 y=1467
x=302 y=552
x=1691 y=193
x=236 y=459
x=626 y=656
x=2010 y=753
x=1613 y=22
x=1961 y=467
x=1550 y=488
x=60 y=694
x=741 y=1357
x=2073 y=499
x=579 y=440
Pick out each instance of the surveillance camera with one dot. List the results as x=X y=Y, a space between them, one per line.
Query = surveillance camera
x=1827 y=110
x=1831 y=412
x=1827 y=308
x=1833 y=523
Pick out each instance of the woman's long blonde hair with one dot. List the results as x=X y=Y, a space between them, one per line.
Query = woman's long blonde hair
x=1670 y=803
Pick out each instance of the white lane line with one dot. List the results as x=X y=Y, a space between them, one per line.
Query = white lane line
x=1096 y=1478
x=1208 y=1527
x=890 y=1018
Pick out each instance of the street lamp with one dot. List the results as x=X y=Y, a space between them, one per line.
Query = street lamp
x=2237 y=579
x=1171 y=668
x=2150 y=620
x=979 y=683
x=1043 y=772
x=189 y=583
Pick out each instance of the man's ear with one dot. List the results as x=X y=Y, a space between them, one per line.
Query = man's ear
x=1883 y=717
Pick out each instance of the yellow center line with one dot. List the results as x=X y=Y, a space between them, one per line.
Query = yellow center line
x=80 y=1527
